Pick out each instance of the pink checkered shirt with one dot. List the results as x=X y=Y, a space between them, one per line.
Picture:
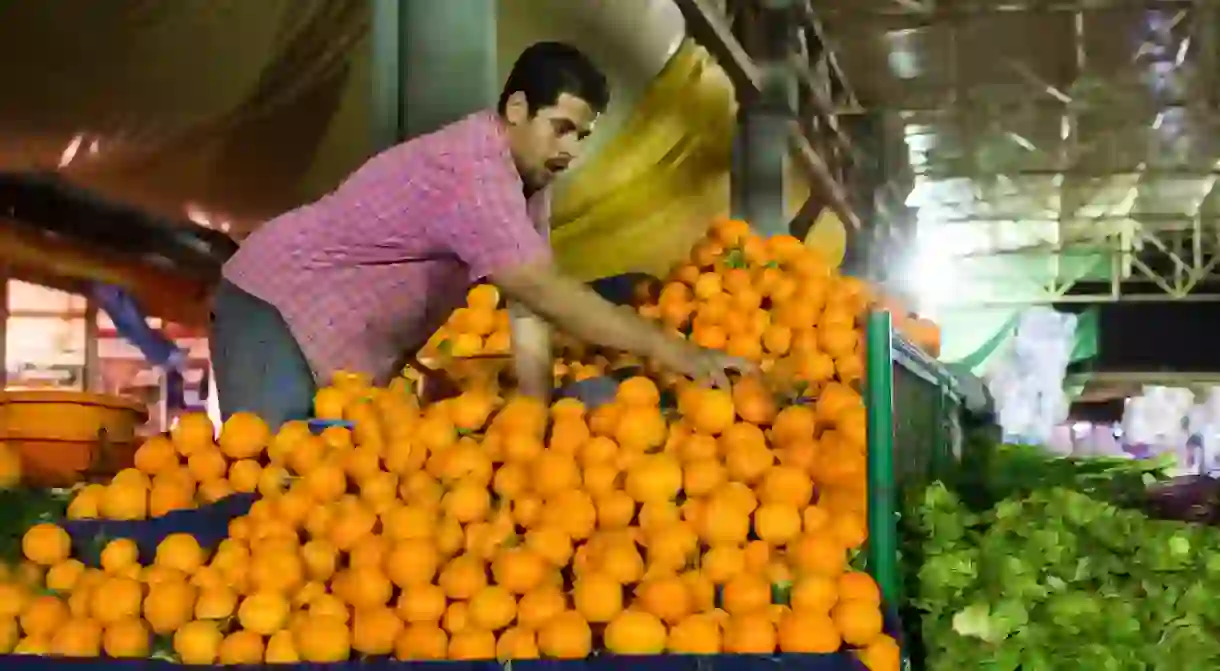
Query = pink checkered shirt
x=368 y=272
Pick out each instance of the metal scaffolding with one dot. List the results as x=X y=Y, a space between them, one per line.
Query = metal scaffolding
x=788 y=85
x=1065 y=148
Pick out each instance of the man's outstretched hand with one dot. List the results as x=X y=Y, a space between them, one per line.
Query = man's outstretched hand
x=702 y=364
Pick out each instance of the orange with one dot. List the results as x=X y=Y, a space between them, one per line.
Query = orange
x=751 y=634
x=638 y=391
x=635 y=632
x=375 y=631
x=492 y=608
x=859 y=622
x=116 y=598
x=788 y=485
x=243 y=435
x=180 y=551
x=654 y=478
x=77 y=637
x=696 y=635
x=519 y=570
x=264 y=612
x=666 y=597
x=472 y=644
x=566 y=636
x=192 y=431
x=169 y=605
x=813 y=594
x=206 y=463
x=215 y=603
x=63 y=576
x=43 y=616
x=421 y=604
x=421 y=642
x=777 y=523
x=859 y=586
x=807 y=633
x=746 y=593
x=126 y=639
x=322 y=639
x=241 y=647
x=167 y=495
x=46 y=544
x=198 y=642
x=818 y=555
x=412 y=562
x=463 y=577
x=535 y=608
x=883 y=654
x=281 y=649
x=710 y=411
x=597 y=597
x=793 y=423
x=155 y=455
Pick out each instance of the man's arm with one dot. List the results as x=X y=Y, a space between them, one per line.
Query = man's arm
x=531 y=352
x=579 y=311
x=531 y=335
x=494 y=235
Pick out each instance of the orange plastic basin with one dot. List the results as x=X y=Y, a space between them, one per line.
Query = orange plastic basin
x=59 y=434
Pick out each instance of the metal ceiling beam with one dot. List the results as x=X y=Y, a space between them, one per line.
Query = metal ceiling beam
x=938 y=10
x=1144 y=218
x=1199 y=172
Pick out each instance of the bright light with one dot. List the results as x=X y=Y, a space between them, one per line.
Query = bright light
x=930 y=269
x=69 y=152
x=197 y=215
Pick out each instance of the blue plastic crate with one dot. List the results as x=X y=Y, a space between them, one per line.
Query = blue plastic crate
x=208 y=524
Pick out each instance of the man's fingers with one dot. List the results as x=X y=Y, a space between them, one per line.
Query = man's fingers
x=740 y=365
x=719 y=379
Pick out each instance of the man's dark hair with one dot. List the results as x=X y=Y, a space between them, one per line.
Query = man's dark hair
x=547 y=69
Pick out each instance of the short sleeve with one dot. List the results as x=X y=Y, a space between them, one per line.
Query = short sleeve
x=493 y=228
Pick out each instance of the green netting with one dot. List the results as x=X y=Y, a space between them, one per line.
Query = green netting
x=914 y=415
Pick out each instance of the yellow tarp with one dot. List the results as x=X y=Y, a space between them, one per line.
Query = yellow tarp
x=644 y=199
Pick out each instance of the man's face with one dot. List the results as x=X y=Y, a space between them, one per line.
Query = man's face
x=546 y=142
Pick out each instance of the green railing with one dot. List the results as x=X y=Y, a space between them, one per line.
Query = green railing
x=914 y=415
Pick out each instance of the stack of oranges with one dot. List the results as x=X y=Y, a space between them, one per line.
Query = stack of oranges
x=490 y=526
x=774 y=301
x=484 y=527
x=189 y=467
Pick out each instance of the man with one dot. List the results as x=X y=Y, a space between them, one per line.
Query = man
x=367 y=273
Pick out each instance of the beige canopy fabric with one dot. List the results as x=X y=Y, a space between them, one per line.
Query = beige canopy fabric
x=245 y=108
x=232 y=111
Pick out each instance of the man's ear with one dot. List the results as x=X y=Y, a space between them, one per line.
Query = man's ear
x=516 y=109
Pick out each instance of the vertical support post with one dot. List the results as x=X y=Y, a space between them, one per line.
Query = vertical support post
x=433 y=63
x=4 y=285
x=93 y=363
x=882 y=551
x=386 y=102
x=761 y=148
x=449 y=62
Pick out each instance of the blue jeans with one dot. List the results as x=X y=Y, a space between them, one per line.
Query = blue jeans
x=258 y=364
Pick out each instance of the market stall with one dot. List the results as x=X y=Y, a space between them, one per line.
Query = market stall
x=668 y=520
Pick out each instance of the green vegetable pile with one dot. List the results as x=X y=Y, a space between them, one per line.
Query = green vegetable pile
x=1045 y=567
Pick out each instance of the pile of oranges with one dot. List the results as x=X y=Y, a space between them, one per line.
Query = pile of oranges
x=191 y=466
x=483 y=528
x=491 y=526
x=773 y=301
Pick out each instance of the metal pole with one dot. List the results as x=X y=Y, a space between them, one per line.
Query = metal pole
x=882 y=550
